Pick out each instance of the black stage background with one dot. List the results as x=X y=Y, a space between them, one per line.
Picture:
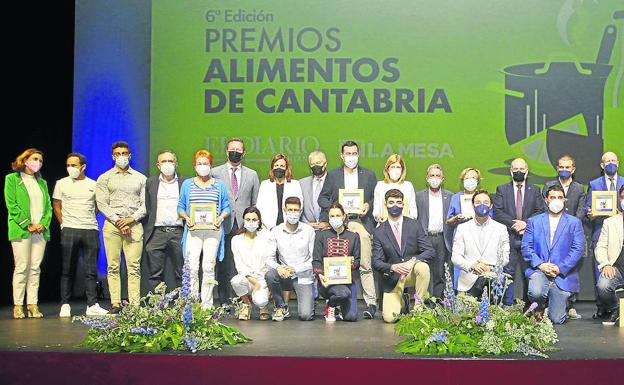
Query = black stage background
x=39 y=65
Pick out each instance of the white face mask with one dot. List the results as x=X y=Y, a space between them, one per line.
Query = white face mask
x=351 y=161
x=122 y=161
x=395 y=173
x=73 y=172
x=471 y=184
x=292 y=218
x=555 y=206
x=167 y=168
x=434 y=182
x=251 y=226
x=335 y=223
x=202 y=169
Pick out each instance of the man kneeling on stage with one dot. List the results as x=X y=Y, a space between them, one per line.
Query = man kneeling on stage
x=401 y=253
x=553 y=245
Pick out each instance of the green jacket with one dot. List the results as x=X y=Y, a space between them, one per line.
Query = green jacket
x=18 y=206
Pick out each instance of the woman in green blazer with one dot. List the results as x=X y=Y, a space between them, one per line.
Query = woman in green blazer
x=28 y=204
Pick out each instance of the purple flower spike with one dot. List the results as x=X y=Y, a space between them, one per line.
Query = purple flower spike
x=417 y=299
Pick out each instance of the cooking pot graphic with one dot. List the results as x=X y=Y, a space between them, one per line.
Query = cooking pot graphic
x=557 y=108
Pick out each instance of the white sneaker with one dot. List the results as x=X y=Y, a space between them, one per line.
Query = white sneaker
x=65 y=311
x=96 y=310
x=330 y=314
x=573 y=314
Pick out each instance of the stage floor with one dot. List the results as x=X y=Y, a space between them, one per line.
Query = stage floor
x=578 y=339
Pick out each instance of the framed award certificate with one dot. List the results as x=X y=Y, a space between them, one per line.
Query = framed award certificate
x=204 y=215
x=351 y=200
x=337 y=270
x=467 y=209
x=604 y=203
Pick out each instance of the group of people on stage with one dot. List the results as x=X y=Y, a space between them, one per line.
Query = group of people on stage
x=269 y=238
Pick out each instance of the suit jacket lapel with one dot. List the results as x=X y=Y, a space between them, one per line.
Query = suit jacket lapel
x=405 y=230
x=425 y=215
x=546 y=228
x=561 y=226
x=390 y=235
x=525 y=199
x=511 y=195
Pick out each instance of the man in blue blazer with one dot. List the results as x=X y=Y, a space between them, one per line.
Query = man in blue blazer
x=552 y=246
x=514 y=204
x=402 y=253
x=610 y=181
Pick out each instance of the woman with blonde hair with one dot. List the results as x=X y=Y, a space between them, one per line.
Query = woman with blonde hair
x=274 y=191
x=194 y=193
x=30 y=212
x=394 y=178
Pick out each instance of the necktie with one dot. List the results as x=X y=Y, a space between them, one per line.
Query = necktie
x=397 y=234
x=519 y=203
x=315 y=205
x=612 y=185
x=234 y=182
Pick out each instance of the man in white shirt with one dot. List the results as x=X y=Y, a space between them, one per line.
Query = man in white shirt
x=290 y=265
x=478 y=245
x=163 y=226
x=75 y=209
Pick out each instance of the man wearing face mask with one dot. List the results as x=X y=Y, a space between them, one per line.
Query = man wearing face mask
x=242 y=185
x=73 y=201
x=574 y=204
x=120 y=196
x=352 y=176
x=477 y=246
x=311 y=187
x=163 y=227
x=401 y=253
x=552 y=246
x=343 y=296
x=514 y=204
x=610 y=181
x=433 y=204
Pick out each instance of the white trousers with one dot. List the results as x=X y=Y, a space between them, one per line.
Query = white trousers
x=205 y=241
x=28 y=254
x=241 y=286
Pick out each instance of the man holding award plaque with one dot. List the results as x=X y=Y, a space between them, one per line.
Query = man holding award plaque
x=401 y=253
x=353 y=187
x=336 y=254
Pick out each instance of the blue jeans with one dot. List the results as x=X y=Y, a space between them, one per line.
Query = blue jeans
x=543 y=289
x=305 y=293
x=344 y=296
x=606 y=290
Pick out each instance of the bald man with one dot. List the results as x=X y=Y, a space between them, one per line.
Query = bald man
x=514 y=204
x=609 y=181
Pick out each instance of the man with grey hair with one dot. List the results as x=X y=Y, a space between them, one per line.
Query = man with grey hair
x=432 y=204
x=311 y=187
x=163 y=227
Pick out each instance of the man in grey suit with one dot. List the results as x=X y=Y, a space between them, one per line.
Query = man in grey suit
x=162 y=225
x=351 y=177
x=242 y=185
x=574 y=205
x=432 y=204
x=311 y=187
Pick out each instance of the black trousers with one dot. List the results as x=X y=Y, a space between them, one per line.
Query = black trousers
x=73 y=241
x=226 y=269
x=441 y=256
x=164 y=242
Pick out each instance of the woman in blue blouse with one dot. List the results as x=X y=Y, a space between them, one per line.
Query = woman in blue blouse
x=201 y=190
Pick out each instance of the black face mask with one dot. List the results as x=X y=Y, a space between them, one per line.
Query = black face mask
x=279 y=173
x=235 y=156
x=518 y=176
x=317 y=170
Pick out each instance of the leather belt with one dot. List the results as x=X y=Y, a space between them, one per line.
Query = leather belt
x=168 y=229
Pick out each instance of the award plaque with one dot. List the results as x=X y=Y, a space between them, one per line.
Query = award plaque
x=604 y=203
x=351 y=200
x=204 y=215
x=337 y=270
x=467 y=209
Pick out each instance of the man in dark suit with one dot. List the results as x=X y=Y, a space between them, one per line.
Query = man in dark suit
x=610 y=181
x=574 y=204
x=401 y=253
x=311 y=187
x=163 y=227
x=242 y=186
x=432 y=204
x=352 y=177
x=552 y=246
x=514 y=204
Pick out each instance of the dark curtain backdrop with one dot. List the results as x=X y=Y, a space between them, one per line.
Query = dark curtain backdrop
x=38 y=61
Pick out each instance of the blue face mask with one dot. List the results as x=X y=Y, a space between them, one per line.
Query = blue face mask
x=611 y=169
x=482 y=210
x=395 y=211
x=564 y=174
